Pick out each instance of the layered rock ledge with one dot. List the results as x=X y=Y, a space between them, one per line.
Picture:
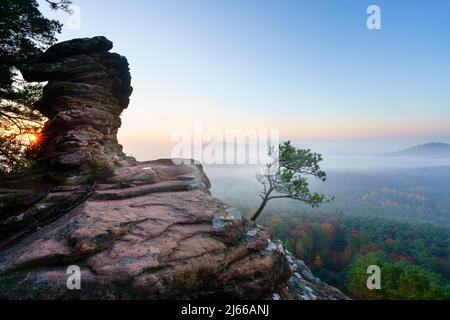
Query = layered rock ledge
x=149 y=231
x=136 y=230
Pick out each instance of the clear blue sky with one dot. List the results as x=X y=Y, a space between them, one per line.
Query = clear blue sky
x=310 y=68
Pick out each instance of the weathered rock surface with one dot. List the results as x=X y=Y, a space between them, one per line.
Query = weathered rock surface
x=303 y=285
x=137 y=230
x=87 y=89
x=149 y=231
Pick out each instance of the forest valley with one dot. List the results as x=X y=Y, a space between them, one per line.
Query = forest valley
x=414 y=258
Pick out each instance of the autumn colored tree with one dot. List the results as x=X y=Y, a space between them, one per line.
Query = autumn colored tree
x=411 y=269
x=318 y=263
x=327 y=229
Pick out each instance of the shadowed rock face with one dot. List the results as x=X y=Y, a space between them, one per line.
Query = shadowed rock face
x=87 y=89
x=146 y=230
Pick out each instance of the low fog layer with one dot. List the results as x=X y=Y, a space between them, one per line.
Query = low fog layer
x=405 y=188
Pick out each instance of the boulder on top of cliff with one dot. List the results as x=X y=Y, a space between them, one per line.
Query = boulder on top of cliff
x=87 y=89
x=76 y=46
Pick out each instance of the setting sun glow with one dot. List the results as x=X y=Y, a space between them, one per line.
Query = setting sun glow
x=30 y=138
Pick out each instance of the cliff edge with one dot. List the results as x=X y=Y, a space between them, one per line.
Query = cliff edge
x=136 y=230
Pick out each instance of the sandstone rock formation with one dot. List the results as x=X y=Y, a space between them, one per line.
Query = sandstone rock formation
x=87 y=90
x=136 y=230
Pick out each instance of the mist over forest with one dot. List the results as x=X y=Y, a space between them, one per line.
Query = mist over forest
x=406 y=188
x=389 y=210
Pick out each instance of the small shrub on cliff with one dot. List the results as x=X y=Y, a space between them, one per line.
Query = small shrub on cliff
x=286 y=176
x=99 y=169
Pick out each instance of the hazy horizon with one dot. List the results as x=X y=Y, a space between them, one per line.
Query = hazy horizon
x=312 y=70
x=146 y=150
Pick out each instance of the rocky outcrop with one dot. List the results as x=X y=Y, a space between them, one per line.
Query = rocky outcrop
x=87 y=89
x=148 y=231
x=135 y=230
x=303 y=285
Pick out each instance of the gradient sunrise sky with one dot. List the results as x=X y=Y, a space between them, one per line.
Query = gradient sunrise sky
x=309 y=68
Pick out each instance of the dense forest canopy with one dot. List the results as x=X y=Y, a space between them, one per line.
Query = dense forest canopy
x=414 y=258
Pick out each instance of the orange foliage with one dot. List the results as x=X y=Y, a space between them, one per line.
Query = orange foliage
x=365 y=249
x=318 y=263
x=391 y=242
x=327 y=230
x=398 y=257
x=274 y=220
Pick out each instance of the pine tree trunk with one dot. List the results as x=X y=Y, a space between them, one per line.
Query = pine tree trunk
x=260 y=209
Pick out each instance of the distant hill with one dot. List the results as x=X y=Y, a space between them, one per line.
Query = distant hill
x=428 y=150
